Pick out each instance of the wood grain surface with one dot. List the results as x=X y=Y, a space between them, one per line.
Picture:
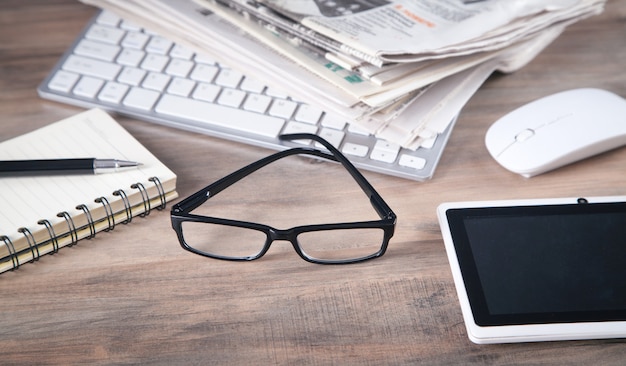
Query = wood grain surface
x=133 y=296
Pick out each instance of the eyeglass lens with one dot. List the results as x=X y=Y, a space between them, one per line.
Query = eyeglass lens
x=324 y=245
x=343 y=244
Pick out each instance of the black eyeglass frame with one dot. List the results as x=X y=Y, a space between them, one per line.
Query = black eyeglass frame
x=181 y=211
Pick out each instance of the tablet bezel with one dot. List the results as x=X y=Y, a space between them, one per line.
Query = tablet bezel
x=500 y=329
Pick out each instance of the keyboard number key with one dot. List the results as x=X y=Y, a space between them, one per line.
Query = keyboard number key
x=108 y=18
x=414 y=162
x=428 y=143
x=105 y=34
x=354 y=128
x=384 y=151
x=350 y=148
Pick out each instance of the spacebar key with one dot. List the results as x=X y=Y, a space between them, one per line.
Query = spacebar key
x=217 y=115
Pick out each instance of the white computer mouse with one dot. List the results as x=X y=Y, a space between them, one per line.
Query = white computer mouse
x=557 y=130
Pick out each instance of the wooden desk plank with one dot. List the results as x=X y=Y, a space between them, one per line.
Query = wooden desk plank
x=134 y=296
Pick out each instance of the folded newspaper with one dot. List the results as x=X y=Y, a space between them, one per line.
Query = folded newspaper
x=401 y=70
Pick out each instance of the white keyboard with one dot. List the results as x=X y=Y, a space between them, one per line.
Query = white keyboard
x=124 y=69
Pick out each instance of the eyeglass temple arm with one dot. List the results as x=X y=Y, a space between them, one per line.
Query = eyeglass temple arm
x=203 y=195
x=198 y=198
x=375 y=198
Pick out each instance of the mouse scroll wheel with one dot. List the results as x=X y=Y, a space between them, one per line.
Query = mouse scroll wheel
x=524 y=135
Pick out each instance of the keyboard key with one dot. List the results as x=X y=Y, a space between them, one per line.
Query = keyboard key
x=231 y=97
x=252 y=85
x=414 y=162
x=308 y=114
x=282 y=108
x=383 y=145
x=98 y=50
x=63 y=81
x=228 y=78
x=273 y=92
x=113 y=92
x=350 y=148
x=154 y=62
x=91 y=67
x=108 y=18
x=129 y=26
x=141 y=98
x=429 y=142
x=178 y=67
x=159 y=45
x=156 y=81
x=213 y=114
x=88 y=87
x=136 y=40
x=130 y=57
x=333 y=121
x=204 y=59
x=181 y=52
x=385 y=151
x=206 y=92
x=333 y=136
x=257 y=103
x=131 y=76
x=181 y=87
x=299 y=127
x=204 y=73
x=105 y=34
x=384 y=156
x=358 y=130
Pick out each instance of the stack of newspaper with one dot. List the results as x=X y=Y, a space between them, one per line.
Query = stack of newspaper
x=400 y=69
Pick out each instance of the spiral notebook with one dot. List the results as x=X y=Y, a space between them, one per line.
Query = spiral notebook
x=41 y=214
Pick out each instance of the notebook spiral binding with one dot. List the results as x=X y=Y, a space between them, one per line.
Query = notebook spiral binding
x=73 y=231
x=144 y=198
x=127 y=207
x=108 y=211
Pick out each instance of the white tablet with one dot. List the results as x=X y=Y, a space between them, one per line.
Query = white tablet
x=539 y=270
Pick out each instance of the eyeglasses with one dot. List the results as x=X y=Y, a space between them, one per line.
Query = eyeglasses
x=235 y=240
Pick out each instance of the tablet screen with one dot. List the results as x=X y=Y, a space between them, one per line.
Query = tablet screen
x=542 y=264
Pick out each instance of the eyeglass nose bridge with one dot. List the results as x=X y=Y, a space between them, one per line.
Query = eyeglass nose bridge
x=283 y=235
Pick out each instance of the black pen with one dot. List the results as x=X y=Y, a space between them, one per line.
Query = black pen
x=63 y=166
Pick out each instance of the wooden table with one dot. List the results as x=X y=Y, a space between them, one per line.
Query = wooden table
x=133 y=296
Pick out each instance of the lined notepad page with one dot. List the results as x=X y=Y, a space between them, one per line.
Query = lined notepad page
x=91 y=134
